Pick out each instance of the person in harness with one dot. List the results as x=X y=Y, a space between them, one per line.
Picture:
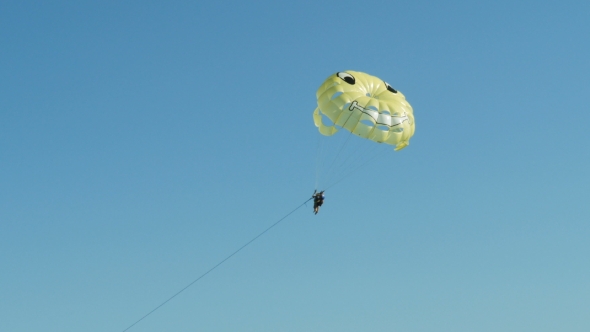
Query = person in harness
x=318 y=200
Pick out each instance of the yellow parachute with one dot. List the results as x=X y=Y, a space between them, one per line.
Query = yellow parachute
x=366 y=106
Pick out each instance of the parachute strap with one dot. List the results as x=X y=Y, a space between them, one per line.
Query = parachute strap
x=324 y=130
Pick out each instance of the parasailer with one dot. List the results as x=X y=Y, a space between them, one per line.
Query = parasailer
x=318 y=200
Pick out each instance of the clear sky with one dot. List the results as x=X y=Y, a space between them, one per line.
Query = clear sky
x=142 y=142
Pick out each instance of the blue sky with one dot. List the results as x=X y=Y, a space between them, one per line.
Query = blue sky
x=143 y=142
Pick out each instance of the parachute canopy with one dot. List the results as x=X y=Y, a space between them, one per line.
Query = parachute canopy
x=366 y=106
